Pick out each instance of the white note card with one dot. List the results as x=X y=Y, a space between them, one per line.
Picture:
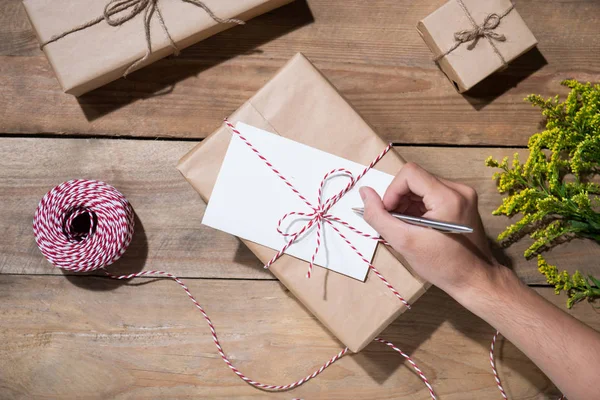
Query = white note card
x=248 y=199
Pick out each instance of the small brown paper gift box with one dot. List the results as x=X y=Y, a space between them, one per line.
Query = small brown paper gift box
x=300 y=104
x=99 y=54
x=472 y=39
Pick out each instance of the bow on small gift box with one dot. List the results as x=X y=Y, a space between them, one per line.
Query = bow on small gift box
x=117 y=12
x=496 y=35
x=90 y=43
x=485 y=30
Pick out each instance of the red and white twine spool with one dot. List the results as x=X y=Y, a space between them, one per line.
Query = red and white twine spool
x=84 y=225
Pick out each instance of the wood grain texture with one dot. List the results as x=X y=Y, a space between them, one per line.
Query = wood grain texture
x=169 y=234
x=18 y=39
x=370 y=51
x=89 y=337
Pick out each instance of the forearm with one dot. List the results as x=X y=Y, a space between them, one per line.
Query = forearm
x=567 y=350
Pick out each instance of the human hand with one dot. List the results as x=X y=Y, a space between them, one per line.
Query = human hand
x=463 y=266
x=449 y=261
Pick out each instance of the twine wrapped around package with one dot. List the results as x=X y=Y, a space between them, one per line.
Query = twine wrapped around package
x=110 y=229
x=472 y=39
x=485 y=30
x=61 y=240
x=117 y=12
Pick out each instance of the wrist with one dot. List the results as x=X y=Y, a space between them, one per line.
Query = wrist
x=485 y=286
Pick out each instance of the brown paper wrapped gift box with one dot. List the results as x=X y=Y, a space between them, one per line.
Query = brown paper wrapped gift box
x=465 y=68
x=99 y=54
x=300 y=104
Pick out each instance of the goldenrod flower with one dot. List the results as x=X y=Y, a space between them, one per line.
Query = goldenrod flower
x=553 y=191
x=576 y=286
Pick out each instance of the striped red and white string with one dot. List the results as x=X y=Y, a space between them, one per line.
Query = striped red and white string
x=86 y=225
x=319 y=214
x=83 y=225
x=108 y=220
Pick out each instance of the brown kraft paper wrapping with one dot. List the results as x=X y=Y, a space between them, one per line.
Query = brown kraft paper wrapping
x=465 y=68
x=99 y=54
x=300 y=104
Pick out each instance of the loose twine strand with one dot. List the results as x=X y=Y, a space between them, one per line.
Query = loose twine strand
x=117 y=12
x=110 y=230
x=485 y=30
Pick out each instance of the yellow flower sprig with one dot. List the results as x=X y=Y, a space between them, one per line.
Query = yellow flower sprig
x=554 y=192
x=576 y=286
x=553 y=208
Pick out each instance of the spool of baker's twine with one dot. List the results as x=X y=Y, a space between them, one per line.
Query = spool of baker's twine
x=86 y=225
x=83 y=225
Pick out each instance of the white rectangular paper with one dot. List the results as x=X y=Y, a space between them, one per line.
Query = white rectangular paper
x=248 y=199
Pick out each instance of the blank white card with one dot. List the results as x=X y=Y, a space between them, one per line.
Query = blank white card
x=248 y=199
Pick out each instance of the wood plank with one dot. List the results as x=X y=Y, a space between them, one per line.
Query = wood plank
x=87 y=337
x=370 y=50
x=169 y=234
x=18 y=39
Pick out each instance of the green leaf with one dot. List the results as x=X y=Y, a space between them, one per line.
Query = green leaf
x=579 y=225
x=596 y=281
x=594 y=224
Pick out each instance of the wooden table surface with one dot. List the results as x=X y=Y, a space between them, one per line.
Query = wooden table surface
x=73 y=336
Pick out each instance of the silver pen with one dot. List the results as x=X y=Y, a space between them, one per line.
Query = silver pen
x=429 y=223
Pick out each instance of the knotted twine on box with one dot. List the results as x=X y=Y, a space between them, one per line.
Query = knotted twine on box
x=485 y=30
x=108 y=225
x=117 y=12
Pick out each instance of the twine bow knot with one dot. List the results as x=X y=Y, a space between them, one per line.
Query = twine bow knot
x=320 y=216
x=486 y=29
x=117 y=12
x=320 y=213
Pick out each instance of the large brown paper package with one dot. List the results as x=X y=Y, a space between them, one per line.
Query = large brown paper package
x=300 y=104
x=99 y=54
x=465 y=68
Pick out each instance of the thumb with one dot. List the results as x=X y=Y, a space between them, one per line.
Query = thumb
x=377 y=216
